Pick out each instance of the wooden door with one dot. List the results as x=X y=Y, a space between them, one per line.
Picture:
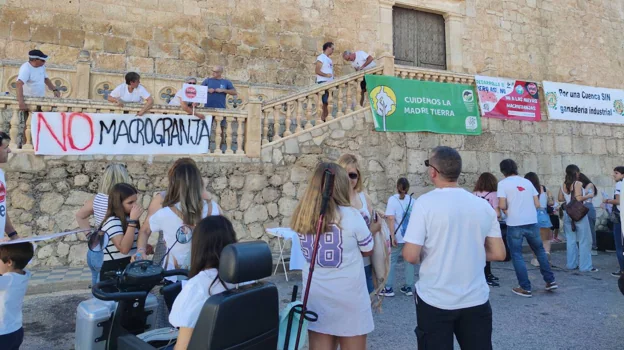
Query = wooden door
x=418 y=38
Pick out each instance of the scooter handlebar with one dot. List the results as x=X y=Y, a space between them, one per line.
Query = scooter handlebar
x=177 y=272
x=114 y=296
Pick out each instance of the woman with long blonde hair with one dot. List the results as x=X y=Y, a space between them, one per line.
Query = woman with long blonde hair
x=338 y=287
x=362 y=202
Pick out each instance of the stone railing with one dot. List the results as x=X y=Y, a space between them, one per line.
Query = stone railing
x=417 y=73
x=84 y=82
x=228 y=133
x=302 y=110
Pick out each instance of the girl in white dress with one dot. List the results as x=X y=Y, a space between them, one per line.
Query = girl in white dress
x=338 y=291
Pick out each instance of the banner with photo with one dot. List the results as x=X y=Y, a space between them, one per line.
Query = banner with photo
x=584 y=103
x=403 y=105
x=76 y=133
x=508 y=98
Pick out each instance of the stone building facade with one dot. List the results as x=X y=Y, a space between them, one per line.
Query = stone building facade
x=276 y=41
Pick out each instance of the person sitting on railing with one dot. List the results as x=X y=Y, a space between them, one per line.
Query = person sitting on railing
x=218 y=88
x=325 y=72
x=132 y=92
x=360 y=60
x=186 y=106
x=32 y=78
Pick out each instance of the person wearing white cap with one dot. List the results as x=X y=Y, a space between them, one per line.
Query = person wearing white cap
x=186 y=106
x=32 y=78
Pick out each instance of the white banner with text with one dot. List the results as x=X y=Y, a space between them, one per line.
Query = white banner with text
x=77 y=133
x=584 y=103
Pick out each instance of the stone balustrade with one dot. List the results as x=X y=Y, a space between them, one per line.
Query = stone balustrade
x=293 y=113
x=228 y=131
x=417 y=73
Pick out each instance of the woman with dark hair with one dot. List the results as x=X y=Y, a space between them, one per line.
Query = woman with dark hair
x=618 y=176
x=578 y=256
x=210 y=236
x=486 y=188
x=543 y=219
x=398 y=213
x=590 y=192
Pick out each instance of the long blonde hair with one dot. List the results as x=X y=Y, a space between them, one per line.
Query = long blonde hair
x=186 y=187
x=306 y=215
x=114 y=173
x=349 y=159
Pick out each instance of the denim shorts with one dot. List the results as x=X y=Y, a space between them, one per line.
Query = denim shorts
x=326 y=95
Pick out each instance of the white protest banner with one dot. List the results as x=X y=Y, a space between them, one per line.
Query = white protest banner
x=584 y=103
x=77 y=133
x=194 y=93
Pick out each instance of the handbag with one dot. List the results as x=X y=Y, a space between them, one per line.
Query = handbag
x=576 y=210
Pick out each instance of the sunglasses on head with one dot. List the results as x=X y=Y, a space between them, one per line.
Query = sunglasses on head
x=353 y=176
x=427 y=164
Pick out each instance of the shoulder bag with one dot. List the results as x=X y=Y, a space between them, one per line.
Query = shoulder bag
x=575 y=209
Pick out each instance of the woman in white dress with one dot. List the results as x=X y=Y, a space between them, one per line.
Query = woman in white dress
x=338 y=291
x=362 y=202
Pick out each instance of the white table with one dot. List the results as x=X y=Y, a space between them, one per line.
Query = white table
x=296 y=256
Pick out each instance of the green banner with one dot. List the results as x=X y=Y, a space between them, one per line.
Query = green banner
x=404 y=105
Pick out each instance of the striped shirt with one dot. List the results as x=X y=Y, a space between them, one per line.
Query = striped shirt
x=100 y=206
x=112 y=227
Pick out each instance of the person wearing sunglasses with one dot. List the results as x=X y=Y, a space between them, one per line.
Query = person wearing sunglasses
x=33 y=78
x=186 y=106
x=218 y=88
x=362 y=202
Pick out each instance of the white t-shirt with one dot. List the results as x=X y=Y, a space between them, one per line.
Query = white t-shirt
x=338 y=292
x=451 y=224
x=327 y=68
x=3 y=209
x=360 y=59
x=519 y=193
x=175 y=101
x=113 y=228
x=169 y=223
x=188 y=304
x=618 y=191
x=33 y=79
x=397 y=207
x=12 y=290
x=137 y=95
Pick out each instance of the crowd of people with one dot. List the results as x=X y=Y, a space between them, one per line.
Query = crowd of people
x=449 y=247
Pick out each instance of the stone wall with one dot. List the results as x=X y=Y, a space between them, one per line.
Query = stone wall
x=46 y=192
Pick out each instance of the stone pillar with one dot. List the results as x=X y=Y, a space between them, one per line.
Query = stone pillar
x=385 y=24
x=454 y=45
x=387 y=60
x=83 y=76
x=253 y=128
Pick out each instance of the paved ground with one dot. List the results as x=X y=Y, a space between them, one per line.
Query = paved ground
x=587 y=312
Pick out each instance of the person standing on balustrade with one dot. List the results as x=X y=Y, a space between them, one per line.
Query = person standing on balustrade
x=132 y=92
x=324 y=69
x=33 y=78
x=218 y=88
x=360 y=60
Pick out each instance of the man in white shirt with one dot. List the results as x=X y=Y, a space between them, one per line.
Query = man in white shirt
x=452 y=233
x=132 y=92
x=519 y=198
x=186 y=106
x=5 y=221
x=32 y=79
x=325 y=72
x=360 y=60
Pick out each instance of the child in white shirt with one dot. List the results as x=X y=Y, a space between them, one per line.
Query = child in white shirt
x=13 y=285
x=210 y=236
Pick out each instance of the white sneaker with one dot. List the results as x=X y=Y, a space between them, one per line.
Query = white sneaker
x=534 y=262
x=594 y=252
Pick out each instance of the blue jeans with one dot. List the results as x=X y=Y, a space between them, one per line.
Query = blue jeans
x=591 y=215
x=617 y=237
x=578 y=255
x=409 y=268
x=515 y=236
x=368 y=271
x=95 y=261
